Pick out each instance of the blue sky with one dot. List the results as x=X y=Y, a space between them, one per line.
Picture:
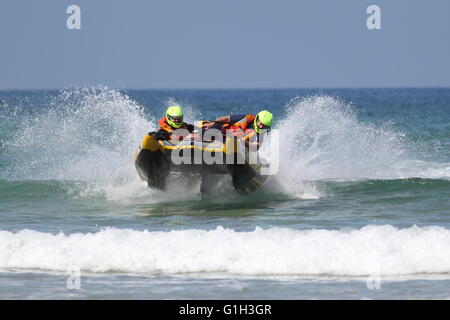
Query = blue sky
x=224 y=44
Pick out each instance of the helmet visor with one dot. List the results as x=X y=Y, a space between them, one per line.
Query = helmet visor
x=177 y=119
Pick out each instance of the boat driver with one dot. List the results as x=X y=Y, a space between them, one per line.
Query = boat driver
x=171 y=122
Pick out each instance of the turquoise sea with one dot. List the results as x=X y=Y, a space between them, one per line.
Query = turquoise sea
x=359 y=208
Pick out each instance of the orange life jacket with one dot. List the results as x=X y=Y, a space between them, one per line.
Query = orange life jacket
x=163 y=124
x=240 y=128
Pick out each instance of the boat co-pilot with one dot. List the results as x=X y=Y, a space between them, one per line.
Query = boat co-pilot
x=246 y=126
x=171 y=122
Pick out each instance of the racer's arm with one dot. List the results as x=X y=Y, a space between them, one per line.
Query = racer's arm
x=226 y=119
x=190 y=127
x=252 y=139
x=162 y=134
x=192 y=133
x=253 y=144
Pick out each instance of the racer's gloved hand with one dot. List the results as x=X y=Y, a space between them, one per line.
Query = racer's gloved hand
x=162 y=135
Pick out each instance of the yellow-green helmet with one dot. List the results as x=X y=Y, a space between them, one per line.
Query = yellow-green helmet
x=174 y=116
x=265 y=117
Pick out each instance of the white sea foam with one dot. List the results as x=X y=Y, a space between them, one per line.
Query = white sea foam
x=372 y=250
x=323 y=139
x=85 y=134
x=422 y=169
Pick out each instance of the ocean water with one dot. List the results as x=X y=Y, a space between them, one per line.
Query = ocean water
x=359 y=208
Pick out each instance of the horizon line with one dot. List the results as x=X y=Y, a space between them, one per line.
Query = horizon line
x=222 y=88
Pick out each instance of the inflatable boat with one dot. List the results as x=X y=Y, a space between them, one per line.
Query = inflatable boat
x=156 y=159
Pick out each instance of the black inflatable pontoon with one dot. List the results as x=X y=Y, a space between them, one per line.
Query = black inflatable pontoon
x=155 y=160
